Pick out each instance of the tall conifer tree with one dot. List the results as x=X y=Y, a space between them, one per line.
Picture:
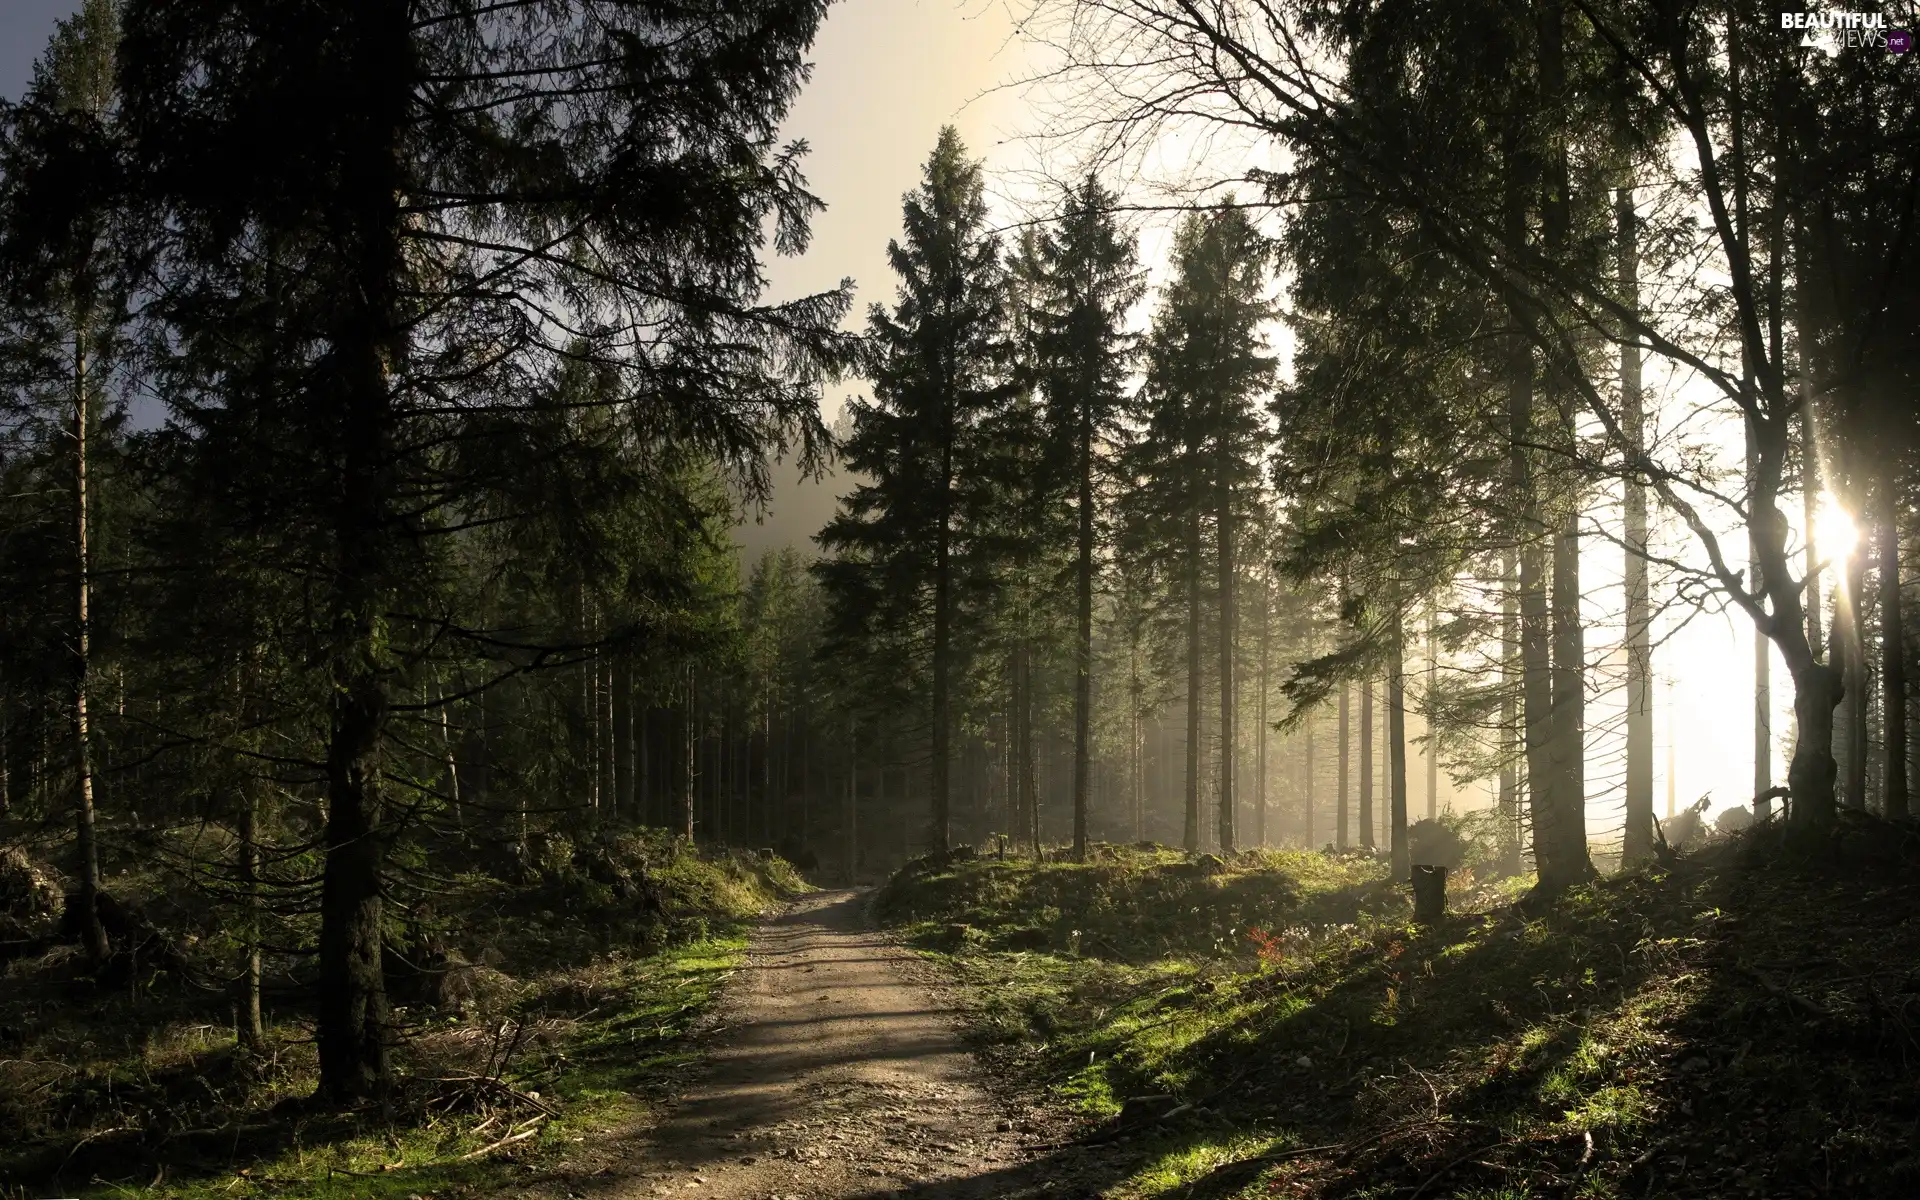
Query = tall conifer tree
x=1207 y=366
x=938 y=365
x=1088 y=281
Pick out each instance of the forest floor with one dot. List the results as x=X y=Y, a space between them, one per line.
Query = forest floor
x=571 y=1004
x=1740 y=1021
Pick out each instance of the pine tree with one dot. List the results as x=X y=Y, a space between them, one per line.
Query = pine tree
x=1198 y=450
x=1087 y=282
x=904 y=541
x=59 y=209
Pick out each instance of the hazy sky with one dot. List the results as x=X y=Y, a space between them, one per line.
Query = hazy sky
x=25 y=26
x=887 y=75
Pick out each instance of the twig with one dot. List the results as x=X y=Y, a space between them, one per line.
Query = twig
x=498 y=1085
x=508 y=1140
x=1431 y=1090
x=98 y=1133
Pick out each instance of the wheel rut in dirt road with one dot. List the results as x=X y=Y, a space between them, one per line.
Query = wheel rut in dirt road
x=837 y=1075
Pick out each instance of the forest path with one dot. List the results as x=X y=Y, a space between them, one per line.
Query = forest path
x=837 y=1074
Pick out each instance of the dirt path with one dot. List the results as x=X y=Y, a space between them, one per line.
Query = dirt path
x=838 y=1075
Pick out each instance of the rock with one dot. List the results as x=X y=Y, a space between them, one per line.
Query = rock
x=1304 y=1063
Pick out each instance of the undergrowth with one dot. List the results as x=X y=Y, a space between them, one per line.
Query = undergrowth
x=1732 y=1023
x=566 y=1008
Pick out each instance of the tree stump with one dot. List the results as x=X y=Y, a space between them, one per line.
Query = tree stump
x=1429 y=894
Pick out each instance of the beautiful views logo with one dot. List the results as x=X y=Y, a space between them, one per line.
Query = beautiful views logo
x=1837 y=31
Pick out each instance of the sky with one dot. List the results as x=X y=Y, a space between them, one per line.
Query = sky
x=25 y=26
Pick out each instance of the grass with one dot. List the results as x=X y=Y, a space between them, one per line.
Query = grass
x=1735 y=1023
x=580 y=1002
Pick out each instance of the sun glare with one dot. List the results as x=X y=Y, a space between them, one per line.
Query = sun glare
x=1834 y=530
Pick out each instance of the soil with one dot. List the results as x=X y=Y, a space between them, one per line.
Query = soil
x=837 y=1072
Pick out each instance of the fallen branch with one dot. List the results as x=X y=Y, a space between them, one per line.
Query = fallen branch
x=1788 y=994
x=510 y=1139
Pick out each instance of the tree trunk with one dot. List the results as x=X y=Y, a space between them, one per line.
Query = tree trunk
x=1366 y=765
x=1560 y=817
x=623 y=790
x=1847 y=626
x=352 y=1029
x=252 y=1030
x=352 y=1033
x=93 y=934
x=1137 y=792
x=1568 y=863
x=1397 y=751
x=942 y=654
x=685 y=794
x=1637 y=840
x=1762 y=652
x=1893 y=650
x=853 y=802
x=449 y=763
x=1433 y=734
x=1223 y=526
x=1260 y=764
x=642 y=762
x=1306 y=799
x=1508 y=799
x=1536 y=647
x=1083 y=638
x=1191 y=834
x=1028 y=764
x=1429 y=894
x=766 y=772
x=1340 y=833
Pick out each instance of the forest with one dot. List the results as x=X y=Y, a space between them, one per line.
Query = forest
x=1287 y=505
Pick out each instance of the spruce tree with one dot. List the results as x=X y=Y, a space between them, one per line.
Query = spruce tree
x=62 y=311
x=1087 y=282
x=1199 y=447
x=904 y=542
